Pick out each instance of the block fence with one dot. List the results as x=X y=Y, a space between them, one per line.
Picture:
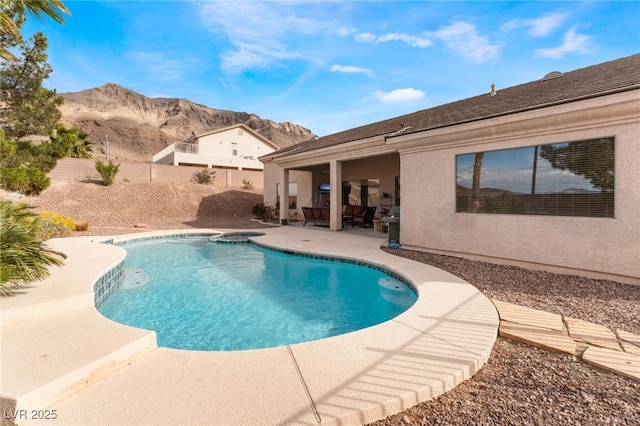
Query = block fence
x=80 y=169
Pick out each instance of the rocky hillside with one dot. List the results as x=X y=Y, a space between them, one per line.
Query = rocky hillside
x=138 y=126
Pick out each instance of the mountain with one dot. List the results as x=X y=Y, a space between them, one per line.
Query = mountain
x=137 y=126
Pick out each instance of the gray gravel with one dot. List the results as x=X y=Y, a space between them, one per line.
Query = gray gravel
x=524 y=385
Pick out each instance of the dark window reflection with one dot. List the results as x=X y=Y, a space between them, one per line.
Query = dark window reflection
x=562 y=179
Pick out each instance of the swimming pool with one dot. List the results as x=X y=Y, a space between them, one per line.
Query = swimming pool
x=201 y=295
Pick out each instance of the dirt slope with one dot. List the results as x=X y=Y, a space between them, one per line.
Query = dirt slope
x=117 y=209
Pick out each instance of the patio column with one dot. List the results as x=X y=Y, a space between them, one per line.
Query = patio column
x=335 y=196
x=284 y=195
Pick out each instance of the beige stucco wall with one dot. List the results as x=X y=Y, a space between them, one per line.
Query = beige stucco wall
x=593 y=245
x=385 y=168
x=271 y=179
x=219 y=148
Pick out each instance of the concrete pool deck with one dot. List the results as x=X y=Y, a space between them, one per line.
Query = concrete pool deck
x=59 y=353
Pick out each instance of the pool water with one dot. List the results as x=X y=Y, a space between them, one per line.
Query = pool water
x=201 y=295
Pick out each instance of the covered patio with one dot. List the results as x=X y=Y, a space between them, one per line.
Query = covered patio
x=372 y=181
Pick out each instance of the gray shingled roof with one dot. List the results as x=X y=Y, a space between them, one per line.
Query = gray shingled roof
x=597 y=80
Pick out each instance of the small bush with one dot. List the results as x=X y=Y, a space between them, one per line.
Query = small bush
x=247 y=184
x=82 y=226
x=53 y=225
x=204 y=176
x=27 y=180
x=108 y=172
x=261 y=211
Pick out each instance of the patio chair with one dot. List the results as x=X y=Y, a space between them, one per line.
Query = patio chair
x=347 y=214
x=366 y=218
x=351 y=211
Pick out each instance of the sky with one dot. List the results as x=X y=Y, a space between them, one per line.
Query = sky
x=512 y=170
x=329 y=65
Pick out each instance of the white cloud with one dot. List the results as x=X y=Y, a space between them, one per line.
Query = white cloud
x=464 y=40
x=351 y=70
x=365 y=38
x=346 y=31
x=242 y=59
x=399 y=95
x=538 y=27
x=572 y=43
x=258 y=30
x=413 y=41
x=162 y=67
x=547 y=24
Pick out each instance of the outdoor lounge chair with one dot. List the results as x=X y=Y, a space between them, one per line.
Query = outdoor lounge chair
x=366 y=218
x=350 y=212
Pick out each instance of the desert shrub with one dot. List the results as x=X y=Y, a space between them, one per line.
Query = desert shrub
x=107 y=172
x=204 y=176
x=13 y=179
x=70 y=143
x=262 y=211
x=247 y=184
x=24 y=258
x=53 y=225
x=27 y=180
x=82 y=226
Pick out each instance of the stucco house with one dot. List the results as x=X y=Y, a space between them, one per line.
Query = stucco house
x=237 y=147
x=544 y=175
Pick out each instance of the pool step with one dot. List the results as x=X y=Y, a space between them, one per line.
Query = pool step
x=47 y=366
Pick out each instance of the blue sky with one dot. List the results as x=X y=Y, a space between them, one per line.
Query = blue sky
x=329 y=65
x=512 y=169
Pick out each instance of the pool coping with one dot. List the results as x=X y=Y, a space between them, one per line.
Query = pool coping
x=359 y=377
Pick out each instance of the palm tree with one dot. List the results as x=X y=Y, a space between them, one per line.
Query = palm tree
x=23 y=257
x=13 y=15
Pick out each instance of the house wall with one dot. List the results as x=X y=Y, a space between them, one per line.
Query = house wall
x=166 y=156
x=220 y=148
x=272 y=178
x=607 y=247
x=385 y=168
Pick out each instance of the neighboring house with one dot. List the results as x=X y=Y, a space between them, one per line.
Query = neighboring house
x=237 y=147
x=544 y=174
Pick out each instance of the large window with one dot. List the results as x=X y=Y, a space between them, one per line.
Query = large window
x=562 y=179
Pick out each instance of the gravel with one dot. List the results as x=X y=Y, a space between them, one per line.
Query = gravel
x=520 y=384
x=524 y=385
x=609 y=303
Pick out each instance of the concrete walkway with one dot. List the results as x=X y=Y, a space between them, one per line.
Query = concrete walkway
x=60 y=357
